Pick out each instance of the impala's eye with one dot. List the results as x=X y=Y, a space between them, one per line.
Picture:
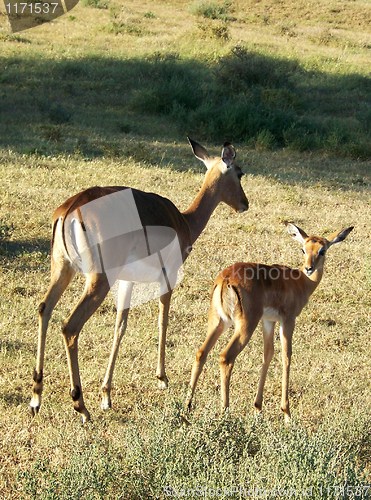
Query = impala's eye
x=303 y=250
x=321 y=251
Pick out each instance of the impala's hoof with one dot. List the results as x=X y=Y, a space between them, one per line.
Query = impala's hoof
x=106 y=404
x=163 y=383
x=189 y=402
x=184 y=421
x=258 y=407
x=35 y=405
x=286 y=414
x=287 y=420
x=106 y=398
x=84 y=415
x=34 y=410
x=84 y=419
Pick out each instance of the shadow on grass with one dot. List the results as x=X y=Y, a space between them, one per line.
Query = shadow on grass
x=98 y=107
x=24 y=256
x=11 y=345
x=14 y=398
x=14 y=249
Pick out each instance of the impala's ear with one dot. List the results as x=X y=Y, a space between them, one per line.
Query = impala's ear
x=297 y=233
x=338 y=237
x=199 y=151
x=228 y=154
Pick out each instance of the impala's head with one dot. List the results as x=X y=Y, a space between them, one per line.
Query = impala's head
x=224 y=174
x=314 y=247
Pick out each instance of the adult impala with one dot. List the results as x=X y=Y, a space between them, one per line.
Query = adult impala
x=246 y=293
x=79 y=242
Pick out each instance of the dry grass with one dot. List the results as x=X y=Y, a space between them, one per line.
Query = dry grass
x=286 y=28
x=330 y=362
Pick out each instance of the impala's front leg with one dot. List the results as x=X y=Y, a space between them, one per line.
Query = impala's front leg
x=163 y=319
x=286 y=332
x=123 y=303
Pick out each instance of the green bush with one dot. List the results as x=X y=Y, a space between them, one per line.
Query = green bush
x=214 y=29
x=58 y=114
x=97 y=4
x=166 y=83
x=242 y=69
x=6 y=230
x=265 y=141
x=212 y=10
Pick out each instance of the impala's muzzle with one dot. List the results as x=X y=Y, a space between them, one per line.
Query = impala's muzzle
x=309 y=271
x=244 y=206
x=243 y=203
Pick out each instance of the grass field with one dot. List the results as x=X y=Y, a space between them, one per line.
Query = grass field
x=106 y=96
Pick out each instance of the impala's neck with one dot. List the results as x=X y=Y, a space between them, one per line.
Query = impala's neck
x=200 y=210
x=314 y=279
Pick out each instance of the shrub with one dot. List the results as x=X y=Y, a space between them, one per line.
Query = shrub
x=6 y=230
x=265 y=140
x=58 y=114
x=97 y=4
x=302 y=136
x=214 y=29
x=167 y=84
x=242 y=69
x=149 y=15
x=212 y=10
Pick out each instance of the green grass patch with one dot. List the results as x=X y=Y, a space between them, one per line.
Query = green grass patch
x=234 y=456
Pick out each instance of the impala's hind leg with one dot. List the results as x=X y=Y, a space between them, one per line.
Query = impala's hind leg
x=123 y=305
x=96 y=288
x=216 y=326
x=268 y=337
x=61 y=276
x=244 y=328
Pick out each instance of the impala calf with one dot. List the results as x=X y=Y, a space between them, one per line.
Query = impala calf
x=155 y=241
x=246 y=293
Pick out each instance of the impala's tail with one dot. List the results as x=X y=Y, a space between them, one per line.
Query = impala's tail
x=226 y=300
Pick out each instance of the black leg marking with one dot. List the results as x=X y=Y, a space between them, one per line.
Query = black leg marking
x=76 y=393
x=38 y=376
